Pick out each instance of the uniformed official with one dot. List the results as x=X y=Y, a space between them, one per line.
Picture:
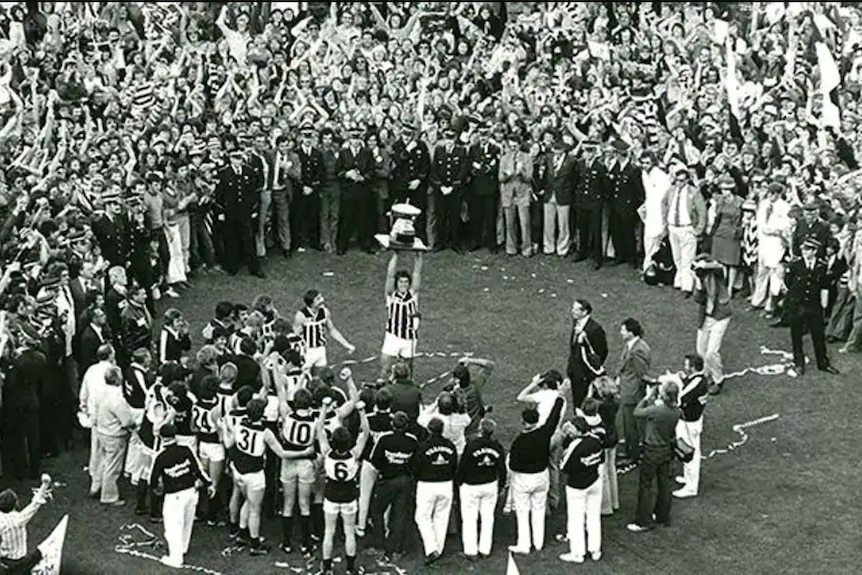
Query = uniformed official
x=807 y=298
x=305 y=212
x=111 y=230
x=484 y=190
x=450 y=169
x=625 y=194
x=354 y=168
x=238 y=199
x=411 y=164
x=434 y=466
x=587 y=203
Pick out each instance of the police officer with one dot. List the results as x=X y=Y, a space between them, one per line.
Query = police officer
x=625 y=194
x=482 y=475
x=178 y=473
x=354 y=168
x=411 y=164
x=434 y=467
x=587 y=203
x=450 y=170
x=391 y=458
x=807 y=284
x=238 y=200
x=484 y=189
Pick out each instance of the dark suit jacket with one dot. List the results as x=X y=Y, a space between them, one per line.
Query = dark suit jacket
x=819 y=230
x=363 y=162
x=486 y=177
x=236 y=195
x=804 y=287
x=26 y=378
x=88 y=344
x=577 y=370
x=559 y=183
x=414 y=164
x=633 y=367
x=450 y=168
x=112 y=235
x=312 y=170
x=625 y=186
x=590 y=182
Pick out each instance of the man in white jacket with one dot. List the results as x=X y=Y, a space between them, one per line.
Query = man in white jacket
x=773 y=223
x=656 y=185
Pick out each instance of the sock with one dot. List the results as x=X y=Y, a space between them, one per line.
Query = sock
x=317 y=519
x=141 y=494
x=327 y=565
x=245 y=534
x=287 y=529
x=351 y=562
x=234 y=527
x=305 y=528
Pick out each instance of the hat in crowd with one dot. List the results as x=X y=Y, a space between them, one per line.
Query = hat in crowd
x=45 y=299
x=155 y=177
x=726 y=181
x=811 y=243
x=811 y=204
x=306 y=129
x=237 y=154
x=775 y=188
x=592 y=420
x=168 y=431
x=134 y=201
x=620 y=146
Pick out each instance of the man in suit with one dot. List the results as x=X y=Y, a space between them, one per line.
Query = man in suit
x=450 y=170
x=484 y=190
x=588 y=351
x=587 y=203
x=686 y=218
x=807 y=298
x=625 y=194
x=92 y=336
x=305 y=223
x=282 y=181
x=136 y=321
x=559 y=187
x=111 y=230
x=238 y=199
x=633 y=368
x=411 y=164
x=354 y=168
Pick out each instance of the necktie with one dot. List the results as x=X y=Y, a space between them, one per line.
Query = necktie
x=769 y=206
x=560 y=159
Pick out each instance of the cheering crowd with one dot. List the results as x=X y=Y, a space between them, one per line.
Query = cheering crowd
x=709 y=145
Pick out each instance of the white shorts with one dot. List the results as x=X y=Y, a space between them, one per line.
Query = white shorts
x=332 y=508
x=298 y=470
x=251 y=481
x=395 y=346
x=188 y=441
x=214 y=452
x=315 y=357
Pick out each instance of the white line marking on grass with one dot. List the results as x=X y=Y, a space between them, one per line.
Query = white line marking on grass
x=128 y=546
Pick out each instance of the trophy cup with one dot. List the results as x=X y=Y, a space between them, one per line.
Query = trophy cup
x=402 y=235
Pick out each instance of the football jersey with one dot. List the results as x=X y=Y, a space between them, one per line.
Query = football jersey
x=341 y=470
x=249 y=446
x=298 y=432
x=224 y=398
x=203 y=422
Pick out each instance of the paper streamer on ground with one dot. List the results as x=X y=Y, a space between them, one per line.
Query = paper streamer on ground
x=52 y=550
x=128 y=545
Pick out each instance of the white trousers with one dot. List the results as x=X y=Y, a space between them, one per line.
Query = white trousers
x=178 y=514
x=433 y=505
x=652 y=244
x=767 y=285
x=683 y=246
x=556 y=217
x=477 y=517
x=709 y=338
x=530 y=495
x=585 y=518
x=690 y=432
x=610 y=485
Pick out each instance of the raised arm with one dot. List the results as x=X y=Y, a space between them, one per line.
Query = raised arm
x=320 y=427
x=352 y=394
x=364 y=433
x=526 y=395
x=417 y=273
x=390 y=274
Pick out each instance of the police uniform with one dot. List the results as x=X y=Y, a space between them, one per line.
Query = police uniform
x=305 y=211
x=481 y=473
x=355 y=214
x=238 y=199
x=587 y=203
x=450 y=168
x=625 y=195
x=805 y=283
x=411 y=161
x=484 y=191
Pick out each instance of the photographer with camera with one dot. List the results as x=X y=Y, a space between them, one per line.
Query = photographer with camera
x=660 y=412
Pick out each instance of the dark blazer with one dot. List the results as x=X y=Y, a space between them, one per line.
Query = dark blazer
x=804 y=287
x=450 y=168
x=79 y=294
x=88 y=344
x=625 y=185
x=590 y=182
x=312 y=170
x=633 y=367
x=26 y=379
x=559 y=183
x=236 y=194
x=818 y=230
x=363 y=162
x=484 y=168
x=414 y=164
x=112 y=235
x=172 y=345
x=136 y=328
x=577 y=370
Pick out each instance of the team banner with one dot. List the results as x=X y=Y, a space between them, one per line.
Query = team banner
x=52 y=550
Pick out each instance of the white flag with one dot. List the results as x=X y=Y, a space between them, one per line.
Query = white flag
x=512 y=567
x=52 y=550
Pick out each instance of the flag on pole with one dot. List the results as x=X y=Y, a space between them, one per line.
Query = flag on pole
x=512 y=567
x=830 y=79
x=52 y=550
